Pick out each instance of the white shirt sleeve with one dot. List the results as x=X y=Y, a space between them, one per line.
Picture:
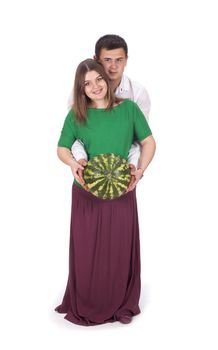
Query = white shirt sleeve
x=143 y=101
x=134 y=154
x=78 y=150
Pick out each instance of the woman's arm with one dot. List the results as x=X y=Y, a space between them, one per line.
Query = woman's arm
x=65 y=155
x=147 y=153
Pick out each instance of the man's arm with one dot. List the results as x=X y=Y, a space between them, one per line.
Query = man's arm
x=134 y=154
x=78 y=151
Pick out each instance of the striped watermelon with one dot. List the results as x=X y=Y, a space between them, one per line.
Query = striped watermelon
x=107 y=176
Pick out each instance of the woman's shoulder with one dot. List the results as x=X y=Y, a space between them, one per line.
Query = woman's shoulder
x=70 y=120
x=71 y=115
x=129 y=104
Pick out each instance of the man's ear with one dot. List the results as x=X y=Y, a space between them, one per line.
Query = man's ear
x=95 y=58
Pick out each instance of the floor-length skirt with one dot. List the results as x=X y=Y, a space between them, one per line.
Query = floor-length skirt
x=104 y=259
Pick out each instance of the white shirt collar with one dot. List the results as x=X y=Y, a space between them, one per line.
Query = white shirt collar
x=124 y=85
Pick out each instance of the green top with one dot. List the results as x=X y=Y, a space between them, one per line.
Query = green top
x=106 y=131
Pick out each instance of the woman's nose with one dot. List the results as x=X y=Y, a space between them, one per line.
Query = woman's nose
x=95 y=85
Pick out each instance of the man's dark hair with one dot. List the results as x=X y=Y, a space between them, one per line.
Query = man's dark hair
x=110 y=42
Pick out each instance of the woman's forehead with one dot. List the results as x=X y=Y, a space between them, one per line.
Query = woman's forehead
x=91 y=75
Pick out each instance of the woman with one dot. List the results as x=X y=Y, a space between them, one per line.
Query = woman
x=104 y=258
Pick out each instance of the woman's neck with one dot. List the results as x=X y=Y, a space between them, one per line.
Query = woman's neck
x=99 y=104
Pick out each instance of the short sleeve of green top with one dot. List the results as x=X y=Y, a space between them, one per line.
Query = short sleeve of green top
x=106 y=131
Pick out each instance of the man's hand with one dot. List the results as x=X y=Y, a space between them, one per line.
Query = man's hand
x=136 y=175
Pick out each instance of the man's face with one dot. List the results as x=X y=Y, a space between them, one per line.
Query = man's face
x=114 y=62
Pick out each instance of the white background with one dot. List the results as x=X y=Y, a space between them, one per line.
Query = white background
x=173 y=52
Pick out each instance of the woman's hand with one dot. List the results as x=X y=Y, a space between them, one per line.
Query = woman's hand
x=147 y=153
x=77 y=170
x=65 y=155
x=136 y=175
x=83 y=163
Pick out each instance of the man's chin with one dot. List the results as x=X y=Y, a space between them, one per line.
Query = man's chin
x=114 y=77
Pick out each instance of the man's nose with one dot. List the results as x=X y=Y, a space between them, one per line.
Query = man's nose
x=113 y=64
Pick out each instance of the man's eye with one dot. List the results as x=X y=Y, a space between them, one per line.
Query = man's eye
x=107 y=59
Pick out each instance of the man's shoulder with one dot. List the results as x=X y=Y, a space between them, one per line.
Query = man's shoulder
x=132 y=89
x=136 y=92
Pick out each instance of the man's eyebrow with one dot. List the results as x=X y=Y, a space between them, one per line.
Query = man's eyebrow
x=110 y=58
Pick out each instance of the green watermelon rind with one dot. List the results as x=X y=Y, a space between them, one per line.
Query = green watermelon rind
x=102 y=165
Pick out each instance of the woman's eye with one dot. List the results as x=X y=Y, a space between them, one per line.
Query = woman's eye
x=86 y=83
x=99 y=78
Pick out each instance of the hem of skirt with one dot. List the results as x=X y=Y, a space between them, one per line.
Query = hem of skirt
x=84 y=321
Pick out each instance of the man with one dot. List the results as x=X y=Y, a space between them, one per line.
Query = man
x=112 y=52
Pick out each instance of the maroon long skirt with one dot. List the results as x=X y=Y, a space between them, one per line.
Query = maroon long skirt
x=104 y=259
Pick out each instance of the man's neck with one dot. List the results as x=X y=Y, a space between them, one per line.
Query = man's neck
x=114 y=84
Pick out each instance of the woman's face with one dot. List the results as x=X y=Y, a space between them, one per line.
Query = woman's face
x=95 y=86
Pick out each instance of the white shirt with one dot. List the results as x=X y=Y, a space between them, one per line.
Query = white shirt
x=126 y=89
x=135 y=92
